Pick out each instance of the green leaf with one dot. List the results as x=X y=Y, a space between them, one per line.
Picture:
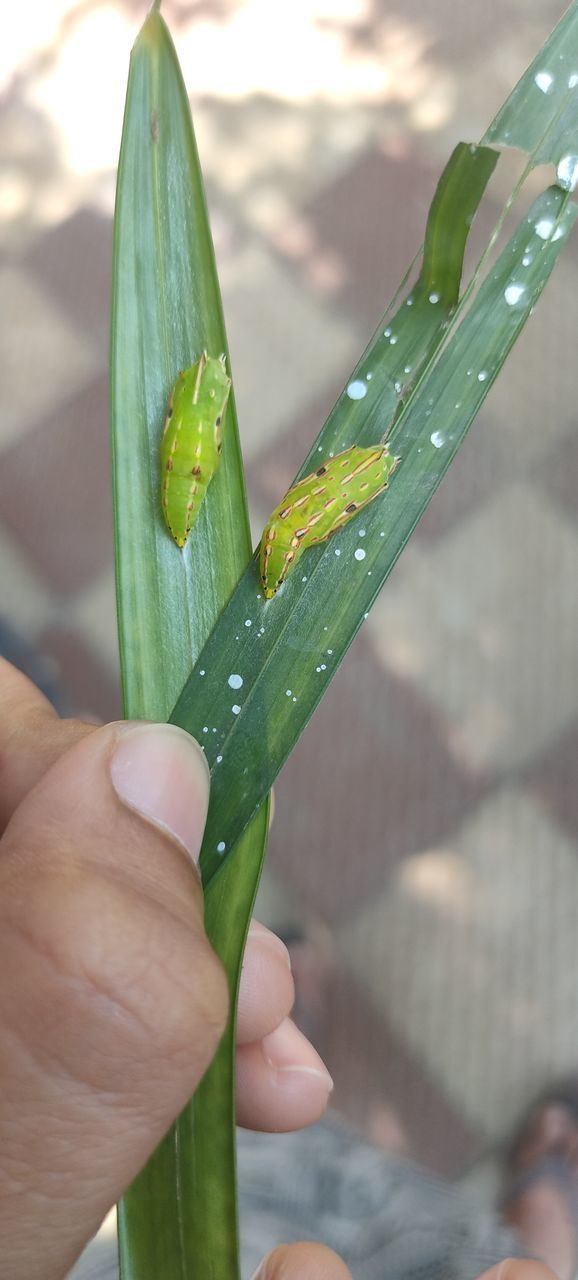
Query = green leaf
x=166 y=309
x=260 y=668
x=420 y=325
x=541 y=114
x=286 y=650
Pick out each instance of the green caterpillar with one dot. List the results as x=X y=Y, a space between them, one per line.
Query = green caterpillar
x=318 y=505
x=191 y=443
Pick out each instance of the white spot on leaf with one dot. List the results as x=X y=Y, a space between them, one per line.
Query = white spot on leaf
x=544 y=80
x=567 y=172
x=513 y=293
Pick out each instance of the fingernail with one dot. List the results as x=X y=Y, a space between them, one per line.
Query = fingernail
x=262 y=936
x=160 y=771
x=288 y=1050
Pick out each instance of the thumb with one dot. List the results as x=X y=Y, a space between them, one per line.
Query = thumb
x=113 y=1001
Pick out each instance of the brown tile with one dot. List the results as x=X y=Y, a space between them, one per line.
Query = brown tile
x=55 y=490
x=560 y=474
x=45 y=358
x=470 y=954
x=554 y=777
x=87 y=685
x=369 y=224
x=491 y=645
x=369 y=782
x=266 y=307
x=271 y=470
x=380 y=1087
x=356 y=239
x=74 y=261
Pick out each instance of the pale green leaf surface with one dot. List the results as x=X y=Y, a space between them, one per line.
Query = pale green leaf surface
x=541 y=114
x=166 y=309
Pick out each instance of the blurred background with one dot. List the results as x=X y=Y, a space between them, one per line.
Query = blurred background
x=424 y=855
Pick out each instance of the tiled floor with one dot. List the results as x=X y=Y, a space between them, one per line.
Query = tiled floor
x=439 y=857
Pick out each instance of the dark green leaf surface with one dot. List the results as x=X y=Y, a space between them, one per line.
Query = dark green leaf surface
x=166 y=309
x=286 y=650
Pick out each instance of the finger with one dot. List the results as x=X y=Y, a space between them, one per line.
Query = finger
x=282 y=1083
x=302 y=1262
x=519 y=1269
x=116 y=1001
x=32 y=737
x=267 y=991
x=18 y=692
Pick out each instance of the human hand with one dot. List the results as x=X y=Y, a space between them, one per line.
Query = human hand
x=113 y=1001
x=519 y=1269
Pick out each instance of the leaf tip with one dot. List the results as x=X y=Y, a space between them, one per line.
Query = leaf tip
x=151 y=25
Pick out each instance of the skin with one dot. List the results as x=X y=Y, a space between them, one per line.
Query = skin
x=544 y=1214
x=103 y=1036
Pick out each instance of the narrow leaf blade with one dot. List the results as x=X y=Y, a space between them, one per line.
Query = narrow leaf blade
x=260 y=708
x=166 y=310
x=541 y=113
